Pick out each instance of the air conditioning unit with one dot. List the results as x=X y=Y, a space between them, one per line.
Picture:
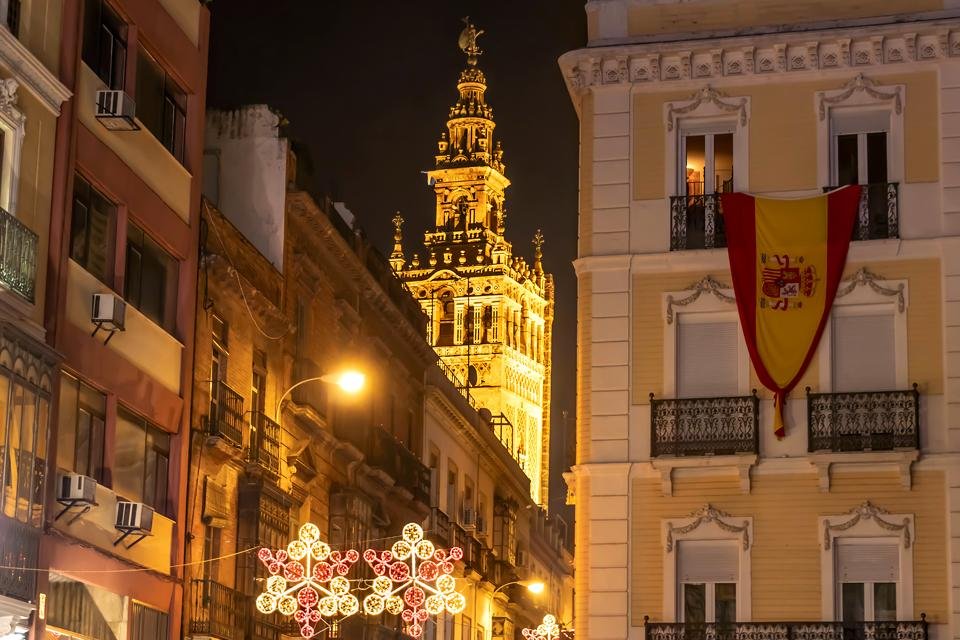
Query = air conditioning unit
x=468 y=520
x=133 y=518
x=76 y=489
x=108 y=312
x=116 y=110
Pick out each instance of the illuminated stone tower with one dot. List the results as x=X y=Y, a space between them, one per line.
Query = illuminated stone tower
x=490 y=311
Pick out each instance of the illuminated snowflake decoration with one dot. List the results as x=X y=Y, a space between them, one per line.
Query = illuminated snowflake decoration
x=547 y=630
x=307 y=581
x=413 y=580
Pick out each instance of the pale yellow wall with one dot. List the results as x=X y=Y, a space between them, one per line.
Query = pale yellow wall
x=924 y=350
x=785 y=512
x=783 y=133
x=713 y=15
x=186 y=13
x=581 y=574
x=40 y=30
x=584 y=357
x=586 y=175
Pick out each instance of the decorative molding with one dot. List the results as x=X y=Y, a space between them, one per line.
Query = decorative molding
x=710 y=95
x=31 y=73
x=865 y=277
x=867 y=511
x=707 y=285
x=860 y=83
x=705 y=514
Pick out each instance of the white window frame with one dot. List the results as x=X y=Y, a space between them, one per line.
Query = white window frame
x=708 y=128
x=862 y=169
x=863 y=95
x=869 y=611
x=866 y=524
x=13 y=124
x=707 y=523
x=706 y=309
x=710 y=592
x=866 y=295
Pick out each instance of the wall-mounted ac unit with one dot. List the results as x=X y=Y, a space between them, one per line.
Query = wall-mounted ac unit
x=116 y=110
x=108 y=312
x=77 y=489
x=133 y=518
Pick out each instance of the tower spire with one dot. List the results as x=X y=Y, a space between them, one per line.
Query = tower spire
x=396 y=257
x=538 y=252
x=468 y=42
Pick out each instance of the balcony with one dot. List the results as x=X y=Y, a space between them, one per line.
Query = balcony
x=19 y=547
x=863 y=421
x=696 y=223
x=878 y=214
x=393 y=457
x=218 y=611
x=704 y=426
x=226 y=414
x=265 y=443
x=892 y=630
x=439 y=526
x=18 y=254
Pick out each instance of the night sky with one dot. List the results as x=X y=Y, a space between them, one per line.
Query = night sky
x=366 y=86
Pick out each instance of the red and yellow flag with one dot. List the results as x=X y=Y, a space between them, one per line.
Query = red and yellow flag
x=786 y=259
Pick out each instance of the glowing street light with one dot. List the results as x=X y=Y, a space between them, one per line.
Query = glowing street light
x=350 y=381
x=535 y=587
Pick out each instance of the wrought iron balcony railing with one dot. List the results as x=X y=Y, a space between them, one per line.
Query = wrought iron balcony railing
x=218 y=611
x=704 y=426
x=439 y=526
x=265 y=443
x=392 y=456
x=863 y=421
x=226 y=414
x=892 y=630
x=696 y=223
x=19 y=550
x=878 y=214
x=18 y=253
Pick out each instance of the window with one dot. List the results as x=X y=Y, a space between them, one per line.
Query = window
x=23 y=447
x=447 y=317
x=859 y=152
x=141 y=461
x=707 y=580
x=434 y=476
x=81 y=432
x=105 y=43
x=452 y=473
x=92 y=231
x=82 y=610
x=867 y=574
x=12 y=14
x=263 y=520
x=147 y=623
x=505 y=530
x=707 y=356
x=211 y=553
x=864 y=351
x=258 y=389
x=152 y=278
x=161 y=105
x=707 y=162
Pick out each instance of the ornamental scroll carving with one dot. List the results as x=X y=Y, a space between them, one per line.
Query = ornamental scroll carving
x=708 y=95
x=705 y=514
x=865 y=277
x=859 y=84
x=868 y=511
x=707 y=285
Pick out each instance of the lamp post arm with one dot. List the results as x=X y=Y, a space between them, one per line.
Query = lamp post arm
x=276 y=413
x=504 y=586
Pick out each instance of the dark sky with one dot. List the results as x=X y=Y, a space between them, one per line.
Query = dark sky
x=366 y=86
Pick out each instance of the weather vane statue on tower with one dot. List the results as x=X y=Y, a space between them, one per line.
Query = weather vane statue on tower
x=468 y=42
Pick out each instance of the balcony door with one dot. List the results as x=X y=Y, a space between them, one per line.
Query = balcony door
x=867 y=576
x=707 y=573
x=706 y=160
x=859 y=156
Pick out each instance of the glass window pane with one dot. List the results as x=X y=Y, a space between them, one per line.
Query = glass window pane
x=725 y=600
x=149 y=98
x=885 y=601
x=128 y=467
x=40 y=464
x=847 y=159
x=723 y=162
x=695 y=603
x=82 y=447
x=877 y=157
x=695 y=163
x=851 y=605
x=66 y=430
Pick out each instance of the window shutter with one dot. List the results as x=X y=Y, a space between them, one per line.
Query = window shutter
x=707 y=561
x=863 y=353
x=706 y=359
x=215 y=512
x=868 y=562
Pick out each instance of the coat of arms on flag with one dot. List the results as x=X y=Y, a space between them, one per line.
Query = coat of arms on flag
x=786 y=259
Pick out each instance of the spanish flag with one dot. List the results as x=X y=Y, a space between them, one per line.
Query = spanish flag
x=786 y=259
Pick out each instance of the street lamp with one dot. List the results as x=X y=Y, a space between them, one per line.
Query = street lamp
x=350 y=381
x=535 y=587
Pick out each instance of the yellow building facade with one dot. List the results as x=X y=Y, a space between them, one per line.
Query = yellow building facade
x=490 y=312
x=693 y=519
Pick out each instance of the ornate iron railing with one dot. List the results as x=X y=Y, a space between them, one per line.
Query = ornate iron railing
x=18 y=255
x=704 y=426
x=473 y=554
x=392 y=456
x=878 y=214
x=226 y=414
x=19 y=547
x=439 y=525
x=892 y=630
x=265 y=443
x=696 y=223
x=863 y=421
x=218 y=611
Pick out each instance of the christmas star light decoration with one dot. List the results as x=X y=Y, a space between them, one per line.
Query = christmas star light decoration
x=307 y=581
x=547 y=630
x=413 y=580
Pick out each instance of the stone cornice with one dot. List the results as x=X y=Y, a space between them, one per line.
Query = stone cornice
x=710 y=59
x=31 y=73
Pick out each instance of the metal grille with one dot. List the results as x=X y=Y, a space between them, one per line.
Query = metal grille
x=19 y=547
x=696 y=223
x=893 y=630
x=392 y=456
x=218 y=610
x=863 y=421
x=226 y=414
x=265 y=444
x=878 y=213
x=704 y=426
x=18 y=255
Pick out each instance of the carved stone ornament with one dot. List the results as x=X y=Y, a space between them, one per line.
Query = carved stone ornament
x=705 y=514
x=865 y=277
x=868 y=511
x=8 y=100
x=697 y=289
x=708 y=95
x=863 y=84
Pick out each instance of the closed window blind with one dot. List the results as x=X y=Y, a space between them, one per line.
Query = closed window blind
x=707 y=561
x=868 y=562
x=863 y=353
x=706 y=359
